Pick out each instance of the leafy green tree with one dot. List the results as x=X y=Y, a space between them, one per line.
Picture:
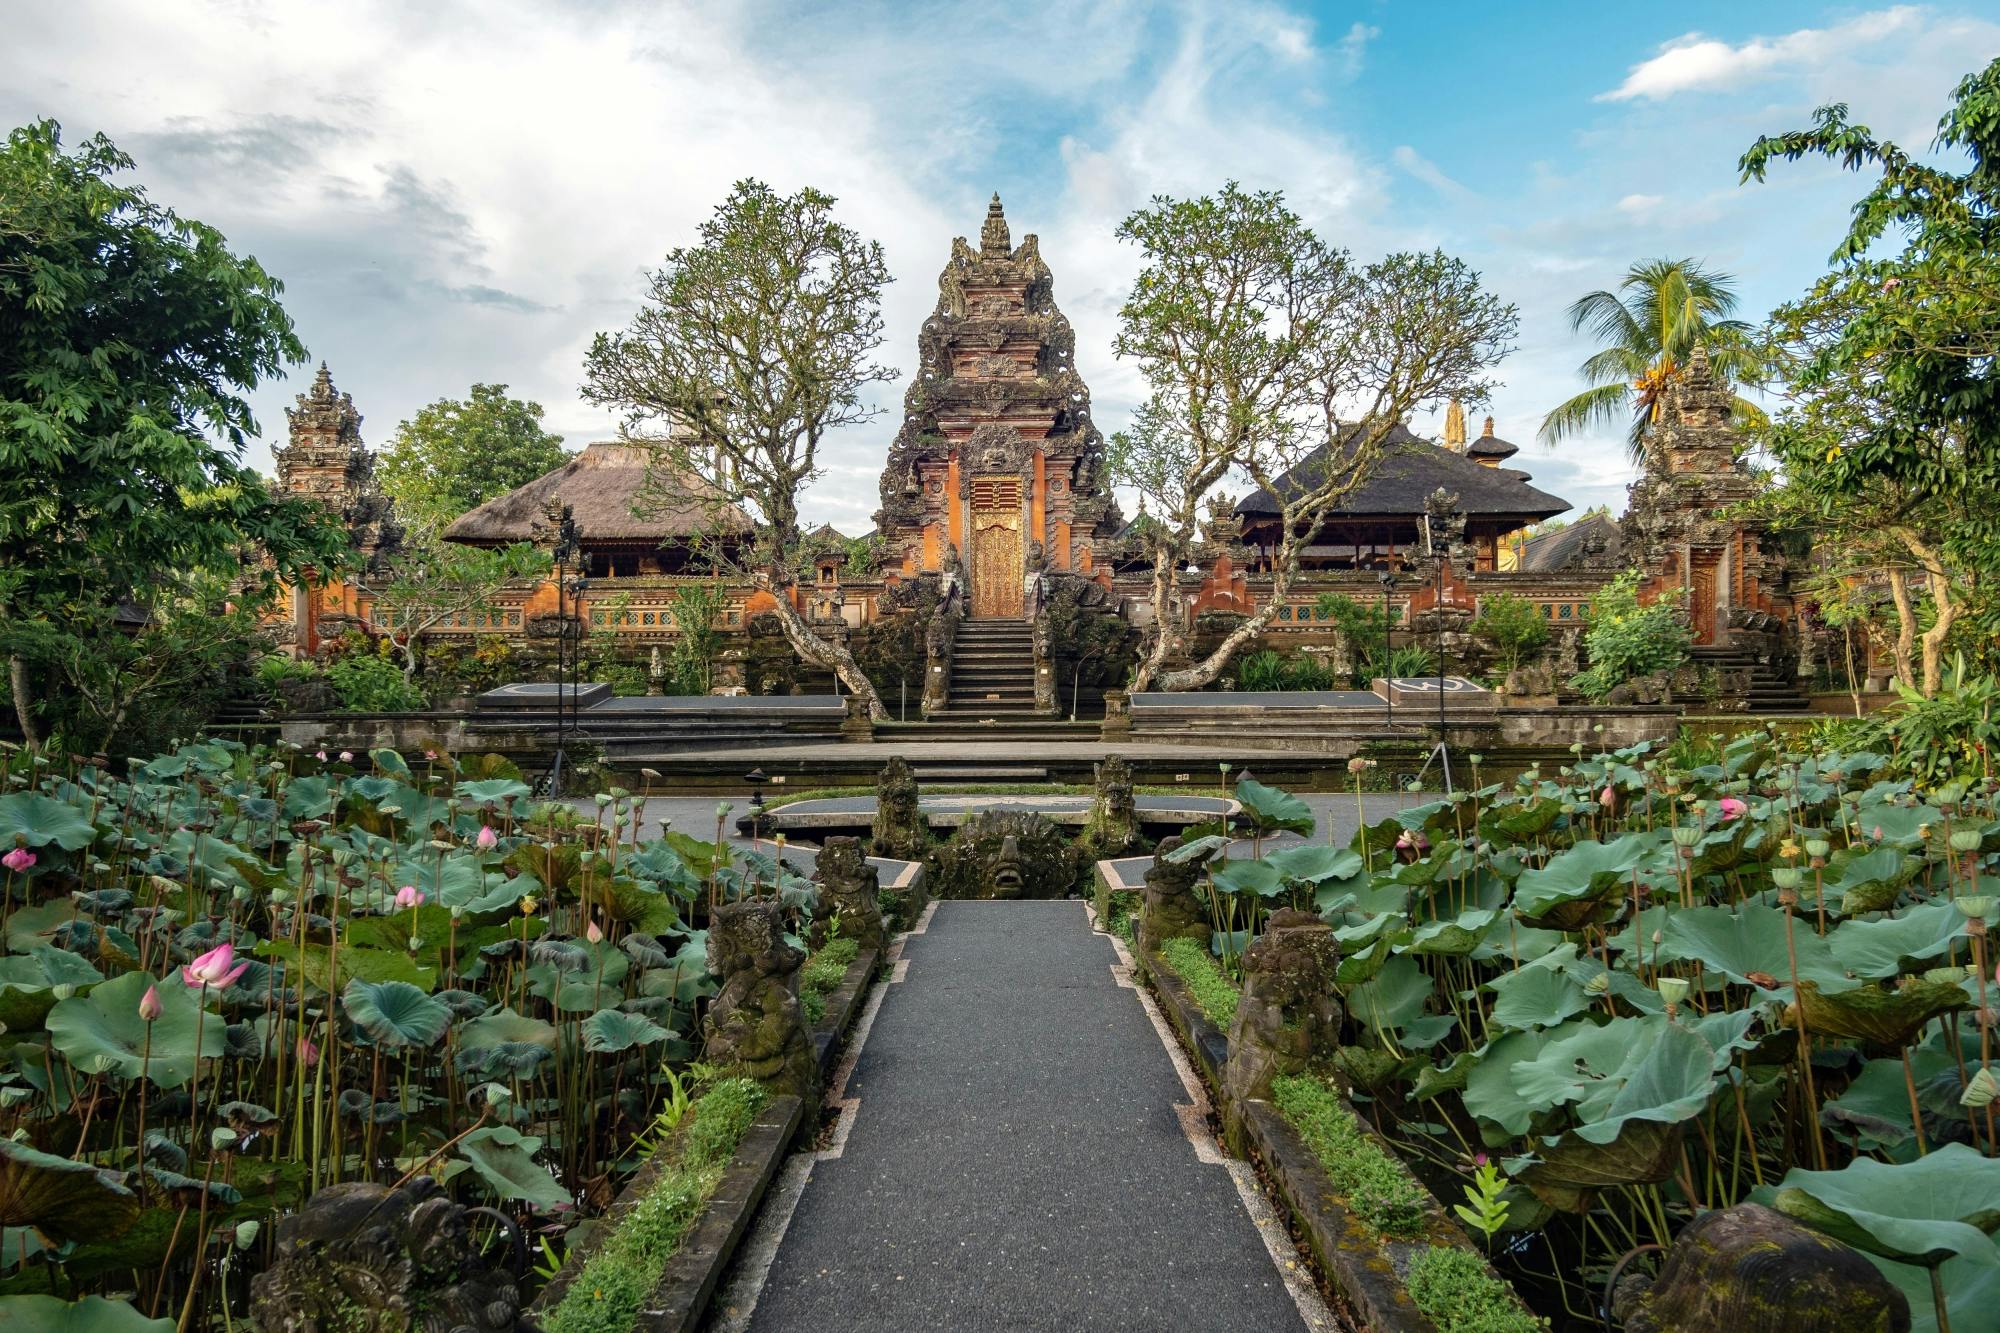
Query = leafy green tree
x=1625 y=640
x=421 y=587
x=1252 y=333
x=1898 y=365
x=750 y=347
x=128 y=335
x=453 y=455
x=1515 y=626
x=1662 y=309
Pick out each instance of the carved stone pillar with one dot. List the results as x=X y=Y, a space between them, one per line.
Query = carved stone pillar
x=1288 y=1018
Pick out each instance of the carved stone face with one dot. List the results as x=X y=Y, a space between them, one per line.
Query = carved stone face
x=1007 y=881
x=1004 y=854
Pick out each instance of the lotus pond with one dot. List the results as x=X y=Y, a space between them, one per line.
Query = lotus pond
x=232 y=977
x=1638 y=987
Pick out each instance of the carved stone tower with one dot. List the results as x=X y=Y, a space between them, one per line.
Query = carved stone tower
x=1678 y=520
x=325 y=460
x=997 y=465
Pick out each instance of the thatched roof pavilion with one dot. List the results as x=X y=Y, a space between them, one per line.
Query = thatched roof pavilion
x=602 y=487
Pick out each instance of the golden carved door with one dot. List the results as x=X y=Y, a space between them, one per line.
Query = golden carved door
x=1702 y=604
x=997 y=567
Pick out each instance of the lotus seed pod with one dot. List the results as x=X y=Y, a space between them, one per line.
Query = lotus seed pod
x=1787 y=877
x=1817 y=848
x=222 y=1138
x=1951 y=974
x=1980 y=1089
x=1686 y=835
x=1976 y=907
x=1672 y=989
x=1965 y=840
x=1599 y=984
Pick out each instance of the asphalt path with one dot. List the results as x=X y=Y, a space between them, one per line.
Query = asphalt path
x=1015 y=1160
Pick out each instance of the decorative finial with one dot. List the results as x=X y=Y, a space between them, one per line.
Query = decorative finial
x=1454 y=426
x=323 y=382
x=993 y=238
x=1487 y=434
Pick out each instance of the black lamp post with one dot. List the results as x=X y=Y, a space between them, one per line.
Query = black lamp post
x=567 y=548
x=756 y=778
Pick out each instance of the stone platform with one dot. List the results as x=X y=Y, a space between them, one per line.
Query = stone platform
x=818 y=819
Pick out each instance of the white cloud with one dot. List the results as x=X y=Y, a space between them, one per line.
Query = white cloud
x=1695 y=62
x=1354 y=48
x=1640 y=204
x=1427 y=171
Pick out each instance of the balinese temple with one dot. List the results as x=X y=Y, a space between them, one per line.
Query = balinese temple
x=997 y=466
x=619 y=536
x=1380 y=524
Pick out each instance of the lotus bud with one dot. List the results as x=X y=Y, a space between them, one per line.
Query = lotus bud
x=1786 y=877
x=150 y=1007
x=246 y=1233
x=308 y=1052
x=217 y=968
x=1672 y=989
x=1975 y=907
x=320 y=755
x=1599 y=984
x=1965 y=839
x=1357 y=765
x=1732 y=808
x=1477 y=758
x=1980 y=1089
x=593 y=932
x=409 y=896
x=347 y=756
x=1686 y=835
x=486 y=838
x=1817 y=848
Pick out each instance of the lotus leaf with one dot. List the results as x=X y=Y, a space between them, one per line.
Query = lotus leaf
x=1629 y=1069
x=641 y=907
x=506 y=1026
x=1393 y=998
x=1878 y=949
x=1198 y=850
x=1923 y=1212
x=1586 y=883
x=1538 y=994
x=504 y=1159
x=395 y=1013
x=92 y=1314
x=187 y=1190
x=316 y=964
x=506 y=1059
x=64 y=1199
x=1567 y=1169
x=1489 y=1090
x=610 y=1030
x=1869 y=881
x=1258 y=877
x=495 y=791
x=102 y=1033
x=1270 y=810
x=1752 y=940
x=1876 y=1106
x=1883 y=1017
x=1456 y=938
x=38 y=820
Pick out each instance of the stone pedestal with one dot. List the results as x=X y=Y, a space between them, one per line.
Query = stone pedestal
x=754 y=1025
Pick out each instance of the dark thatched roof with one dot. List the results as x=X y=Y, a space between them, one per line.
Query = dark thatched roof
x=1407 y=471
x=1566 y=548
x=1489 y=445
x=600 y=485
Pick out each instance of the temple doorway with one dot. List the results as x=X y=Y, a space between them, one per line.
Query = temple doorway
x=996 y=547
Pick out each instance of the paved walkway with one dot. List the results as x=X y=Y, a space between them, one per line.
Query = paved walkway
x=1013 y=1158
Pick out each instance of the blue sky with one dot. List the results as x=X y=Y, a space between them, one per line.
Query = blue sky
x=466 y=191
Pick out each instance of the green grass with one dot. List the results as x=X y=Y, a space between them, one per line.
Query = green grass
x=1377 y=1187
x=1214 y=993
x=822 y=974
x=608 y=1292
x=1460 y=1295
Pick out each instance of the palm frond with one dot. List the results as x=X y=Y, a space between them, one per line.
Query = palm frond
x=1604 y=405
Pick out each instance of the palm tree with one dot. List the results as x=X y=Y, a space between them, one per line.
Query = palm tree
x=1662 y=309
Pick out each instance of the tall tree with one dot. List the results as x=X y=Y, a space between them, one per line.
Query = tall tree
x=454 y=454
x=1272 y=355
x=1660 y=311
x=749 y=348
x=128 y=335
x=1913 y=359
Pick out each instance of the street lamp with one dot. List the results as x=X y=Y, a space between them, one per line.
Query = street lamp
x=1388 y=581
x=756 y=778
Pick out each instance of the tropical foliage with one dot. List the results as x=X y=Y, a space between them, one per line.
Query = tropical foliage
x=1625 y=640
x=455 y=454
x=233 y=977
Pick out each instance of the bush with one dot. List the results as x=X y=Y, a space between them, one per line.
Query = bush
x=1460 y=1295
x=1626 y=640
x=1933 y=740
x=1378 y=1189
x=1268 y=670
x=1214 y=993
x=1514 y=625
x=822 y=974
x=368 y=684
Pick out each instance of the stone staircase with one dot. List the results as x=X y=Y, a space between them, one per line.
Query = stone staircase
x=992 y=673
x=1769 y=691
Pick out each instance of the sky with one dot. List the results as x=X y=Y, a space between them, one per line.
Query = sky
x=458 y=192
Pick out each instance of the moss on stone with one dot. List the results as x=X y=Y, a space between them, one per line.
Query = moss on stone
x=1214 y=993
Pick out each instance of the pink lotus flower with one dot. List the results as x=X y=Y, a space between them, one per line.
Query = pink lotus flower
x=320 y=755
x=1733 y=808
x=18 y=860
x=150 y=1007
x=592 y=933
x=308 y=1053
x=213 y=968
x=487 y=837
x=1608 y=798
x=430 y=754
x=347 y=756
x=409 y=896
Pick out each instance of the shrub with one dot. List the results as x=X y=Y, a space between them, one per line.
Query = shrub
x=1378 y=1189
x=368 y=684
x=1214 y=993
x=1460 y=1295
x=1268 y=670
x=822 y=974
x=1626 y=640
x=1514 y=625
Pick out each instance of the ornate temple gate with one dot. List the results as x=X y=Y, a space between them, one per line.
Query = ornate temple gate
x=996 y=561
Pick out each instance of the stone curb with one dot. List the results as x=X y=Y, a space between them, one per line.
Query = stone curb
x=681 y=1297
x=1365 y=1268
x=843 y=1006
x=711 y=1242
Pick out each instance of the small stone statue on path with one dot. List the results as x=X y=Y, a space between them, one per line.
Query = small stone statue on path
x=1113 y=827
x=1288 y=1018
x=754 y=1025
x=1172 y=908
x=900 y=832
x=848 y=893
